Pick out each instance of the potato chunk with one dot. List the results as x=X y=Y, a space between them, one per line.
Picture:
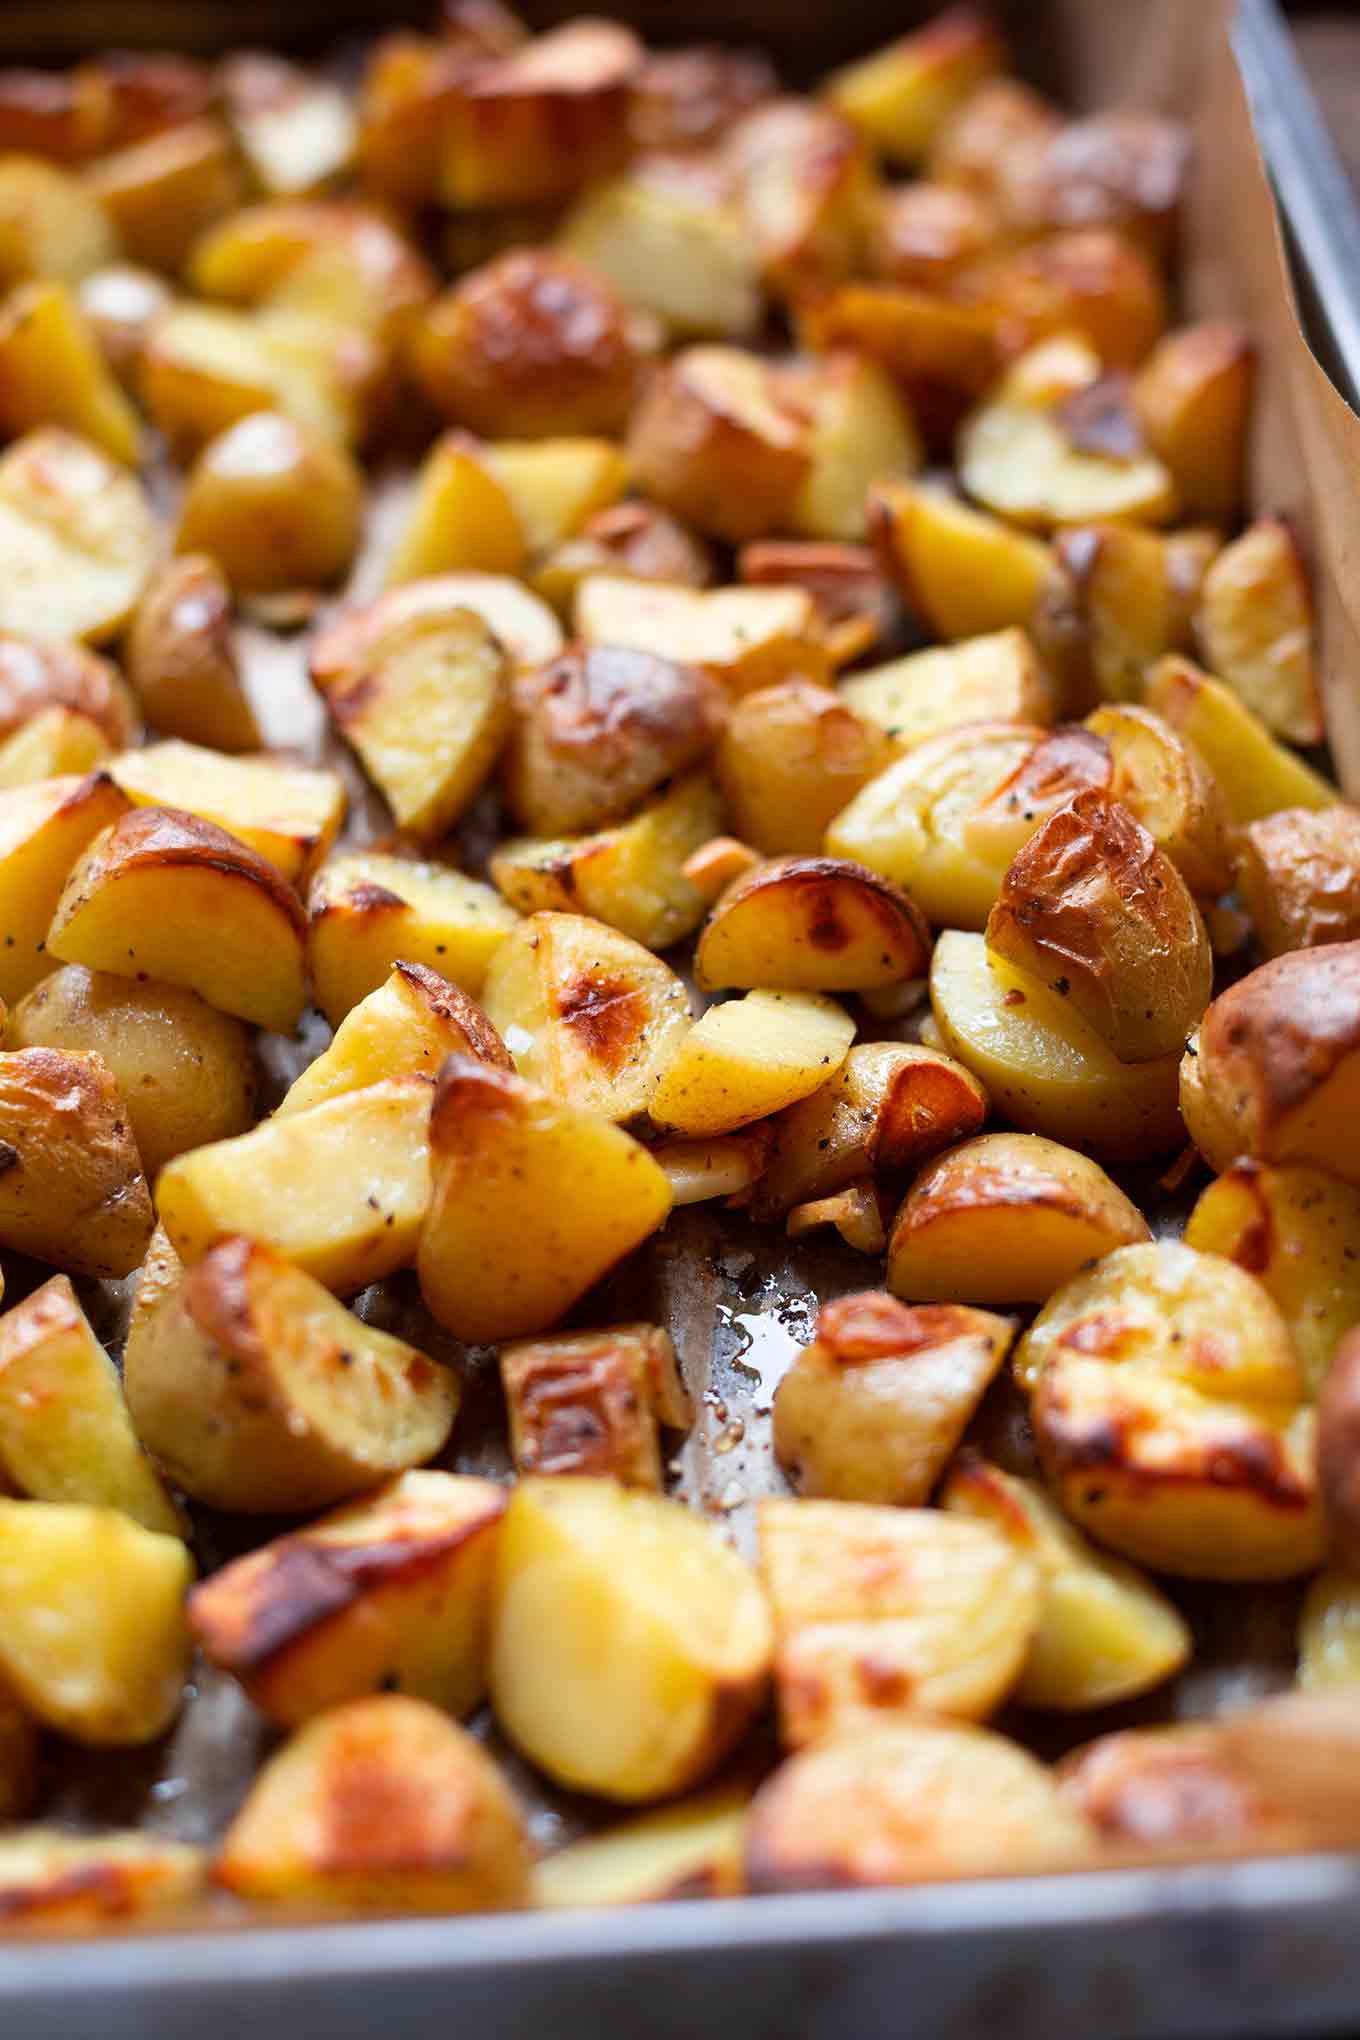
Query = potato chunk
x=72 y=1191
x=438 y=1828
x=993 y=678
x=502 y=1150
x=1339 y=1448
x=525 y=626
x=1299 y=876
x=672 y=246
x=181 y=658
x=287 y=813
x=1169 y=1413
x=1042 y=466
x=1273 y=1071
x=51 y=1878
x=1193 y=395
x=942 y=353
x=803 y=182
x=1093 y=908
x=203 y=368
x=907 y=1804
x=391 y=1594
x=587 y=1014
x=718 y=441
x=1255 y=628
x=52 y=373
x=590 y=1402
x=691 y=1850
x=925 y=234
x=1044 y=1068
x=37 y=674
x=51 y=224
x=1006 y=1218
x=1105 y=1633
x=340 y=1189
x=1171 y=1788
x=789 y=760
x=295 y=129
x=326 y=257
x=1258 y=777
x=122 y=304
x=901 y=96
x=750 y=1057
x=843 y=579
x=630 y=1646
x=369 y=911
x=460 y=517
x=812 y=924
x=632 y=540
x=1117 y=600
x=78 y=540
x=55 y=742
x=44 y=827
x=746 y=637
x=65 y=1434
x=275 y=503
x=1059 y=765
x=883 y=1612
x=963 y=572
x=164 y=189
x=205 y=911
x=1163 y=782
x=1089 y=281
x=93 y=1639
x=405 y=1028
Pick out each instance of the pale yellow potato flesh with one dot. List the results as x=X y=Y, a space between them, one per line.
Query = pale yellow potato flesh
x=460 y=518
x=49 y=1877
x=52 y=373
x=750 y=1057
x=993 y=678
x=55 y=742
x=404 y=1029
x=78 y=539
x=811 y=924
x=963 y=571
x=369 y=911
x=690 y=1850
x=43 y=830
x=290 y=814
x=1257 y=775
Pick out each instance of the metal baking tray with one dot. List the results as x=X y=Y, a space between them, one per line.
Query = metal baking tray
x=1248 y=1948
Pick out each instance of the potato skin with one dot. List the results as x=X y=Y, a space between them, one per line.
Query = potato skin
x=181 y=658
x=819 y=924
x=1168 y=1788
x=715 y=441
x=1339 y=1448
x=1299 y=874
x=274 y=503
x=791 y=757
x=37 y=674
x=72 y=1191
x=1093 y=907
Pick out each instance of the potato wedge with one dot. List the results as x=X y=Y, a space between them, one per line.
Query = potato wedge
x=1176 y=1788
x=844 y=581
x=995 y=143
x=745 y=637
x=1105 y=1633
x=1164 y=783
x=884 y=1612
x=685 y=98
x=460 y=518
x=405 y=1028
x=1044 y=1068
x=44 y=828
x=286 y=813
x=993 y=678
x=1093 y=908
x=1006 y=1218
x=1258 y=777
x=52 y=373
x=812 y=924
x=1060 y=764
x=963 y=572
x=389 y=1594
x=1117 y=600
x=632 y=540
x=37 y=674
x=925 y=234
x=72 y=1191
x=1170 y=1416
x=590 y=1402
x=163 y=190
x=340 y=1190
x=51 y=224
x=630 y=1646
x=1193 y=395
x=719 y=441
x=803 y=182
x=94 y=1641
x=673 y=247
x=1274 y=1067
x=1090 y=281
x=203 y=368
x=899 y=97
x=727 y=1166
x=51 y=1878
x=295 y=128
x=207 y=912
x=369 y=911
x=750 y=1057
x=55 y=743
x=78 y=540
x=501 y=1151
x=691 y=1850
x=1027 y=463
x=1329 y=1633
x=908 y=1804
x=440 y=1830
x=525 y=626
x=940 y=352
x=1119 y=168
x=860 y=431
x=276 y=503
x=1255 y=628
x=790 y=758
x=327 y=258
x=65 y=1434
x=181 y=658
x=588 y=1015
x=1298 y=872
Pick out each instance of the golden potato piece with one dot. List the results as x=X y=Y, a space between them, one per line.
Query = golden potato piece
x=369 y=912
x=746 y=637
x=691 y=1850
x=93 y=1639
x=391 y=1593
x=19 y=1761
x=591 y=1402
x=908 y=1804
x=56 y=742
x=404 y=91
x=790 y=758
x=460 y=518
x=727 y=1165
x=1091 y=281
x=62 y=116
x=993 y=678
x=37 y=674
x=181 y=658
x=1058 y=765
x=750 y=1057
x=72 y=1191
x=1093 y=908
x=1298 y=872
x=600 y=727
x=685 y=98
x=52 y=373
x=1164 y=783
x=275 y=503
x=940 y=352
x=438 y=1829
x=588 y=1014
x=1172 y=1788
x=995 y=143
x=844 y=581
x=717 y=441
x=1255 y=628
x=162 y=191
x=78 y=540
x=1273 y=1071
x=1258 y=777
x=1105 y=1633
x=1044 y=1068
x=44 y=827
x=328 y=258
x=51 y=225
x=803 y=182
x=901 y=96
x=65 y=1434
x=525 y=626
x=555 y=486
x=925 y=234
x=1193 y=395
x=501 y=1151
x=860 y=431
x=340 y=1189
x=881 y=1612
x=1006 y=1218
x=632 y=540
x=295 y=129
x=204 y=368
x=1042 y=467
x=205 y=911
x=812 y=924
x=122 y=304
x=286 y=813
x=51 y=1878
x=630 y=1645
x=963 y=572
x=673 y=248
x=405 y=1028
x=1169 y=1414
x=1117 y=599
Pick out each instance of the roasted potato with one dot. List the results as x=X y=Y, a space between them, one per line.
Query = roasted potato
x=588 y=1014
x=590 y=1402
x=1273 y=1069
x=1329 y=1633
x=555 y=486
x=691 y=1850
x=1006 y=1218
x=275 y=504
x=633 y=540
x=907 y=1804
x=288 y=814
x=900 y=97
x=790 y=758
x=844 y=581
x=163 y=191
x=720 y=440
x=525 y=626
x=745 y=637
x=340 y=1189
x=962 y=571
x=1117 y=599
x=630 y=1646
x=54 y=743
x=812 y=924
x=501 y=1151
x=389 y=1594
x=37 y=674
x=1094 y=909
x=803 y=183
x=860 y=430
x=181 y=658
x=1299 y=875
x=78 y=540
x=460 y=517
x=1254 y=624
x=995 y=143
x=1193 y=395
x=1258 y=777
x=440 y=1830
x=369 y=911
x=1169 y=1413
x=93 y=1640
x=748 y=1058
x=726 y=1165
x=993 y=678
x=1105 y=1634
x=686 y=98
x=43 y=830
x=1090 y=281
x=1171 y=1788
x=295 y=128
x=52 y=373
x=326 y=258
x=1044 y=1068
x=1163 y=782
x=203 y=368
x=121 y=304
x=51 y=1878
x=1060 y=764
x=72 y=1191
x=1120 y=169
x=205 y=911
x=51 y=224
x=1072 y=462
x=405 y=1028
x=670 y=240
x=925 y=234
